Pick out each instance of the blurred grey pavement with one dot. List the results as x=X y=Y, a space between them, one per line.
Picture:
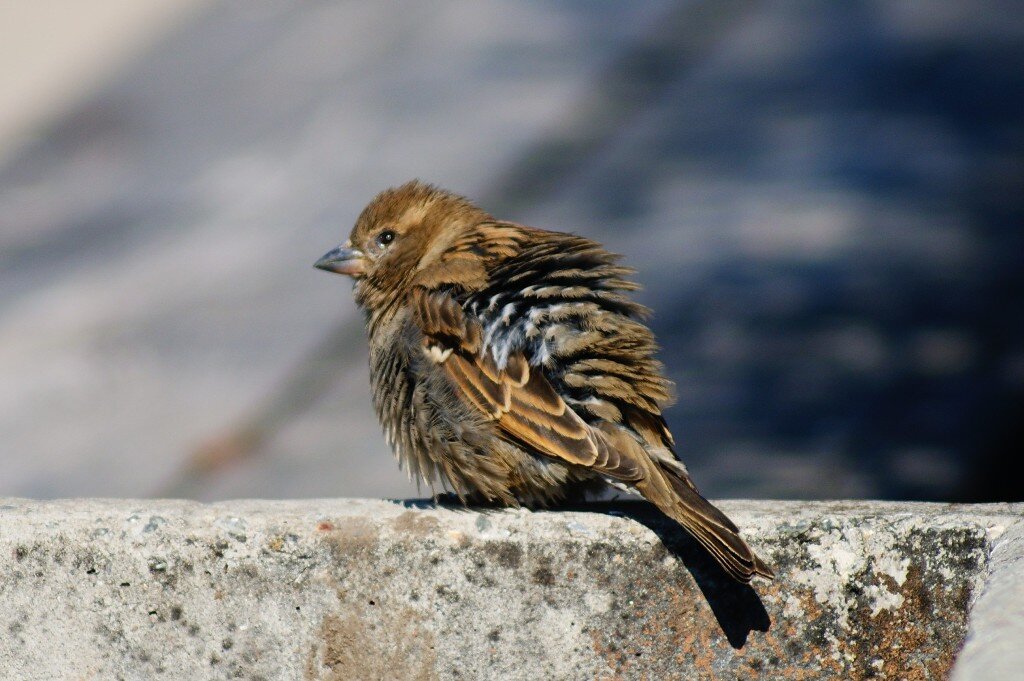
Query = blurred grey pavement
x=823 y=202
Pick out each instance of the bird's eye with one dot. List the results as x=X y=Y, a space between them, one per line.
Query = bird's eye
x=385 y=237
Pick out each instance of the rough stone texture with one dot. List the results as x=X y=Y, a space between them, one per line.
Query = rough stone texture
x=341 y=589
x=993 y=649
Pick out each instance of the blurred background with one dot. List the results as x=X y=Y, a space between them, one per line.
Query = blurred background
x=824 y=202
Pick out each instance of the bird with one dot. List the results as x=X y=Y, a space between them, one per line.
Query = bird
x=510 y=365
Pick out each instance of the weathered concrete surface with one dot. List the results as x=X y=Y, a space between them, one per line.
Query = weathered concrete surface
x=343 y=589
x=995 y=645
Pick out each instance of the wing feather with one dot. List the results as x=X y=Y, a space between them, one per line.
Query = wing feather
x=529 y=412
x=521 y=400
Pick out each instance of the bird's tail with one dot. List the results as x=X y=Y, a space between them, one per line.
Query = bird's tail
x=681 y=501
x=670 y=489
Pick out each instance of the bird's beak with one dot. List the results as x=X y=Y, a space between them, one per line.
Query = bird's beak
x=343 y=260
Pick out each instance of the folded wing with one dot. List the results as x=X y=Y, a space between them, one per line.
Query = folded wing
x=529 y=412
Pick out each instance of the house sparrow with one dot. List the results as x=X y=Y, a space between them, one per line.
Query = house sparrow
x=509 y=363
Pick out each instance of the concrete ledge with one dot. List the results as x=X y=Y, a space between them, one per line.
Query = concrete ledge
x=359 y=589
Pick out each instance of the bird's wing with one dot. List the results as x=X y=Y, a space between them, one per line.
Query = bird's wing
x=529 y=411
x=518 y=398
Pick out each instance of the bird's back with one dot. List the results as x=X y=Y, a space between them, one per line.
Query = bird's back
x=561 y=300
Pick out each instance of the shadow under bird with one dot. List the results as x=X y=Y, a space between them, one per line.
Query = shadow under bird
x=509 y=364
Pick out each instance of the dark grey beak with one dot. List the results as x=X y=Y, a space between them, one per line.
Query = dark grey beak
x=343 y=260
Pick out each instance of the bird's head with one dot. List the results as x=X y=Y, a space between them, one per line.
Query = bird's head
x=401 y=233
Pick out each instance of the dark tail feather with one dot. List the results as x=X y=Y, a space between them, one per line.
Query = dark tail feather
x=714 y=531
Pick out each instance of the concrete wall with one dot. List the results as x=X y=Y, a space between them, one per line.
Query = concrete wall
x=343 y=589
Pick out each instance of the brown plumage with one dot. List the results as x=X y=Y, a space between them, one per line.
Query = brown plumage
x=508 y=363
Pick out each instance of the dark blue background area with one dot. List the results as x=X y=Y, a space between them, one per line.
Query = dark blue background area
x=899 y=353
